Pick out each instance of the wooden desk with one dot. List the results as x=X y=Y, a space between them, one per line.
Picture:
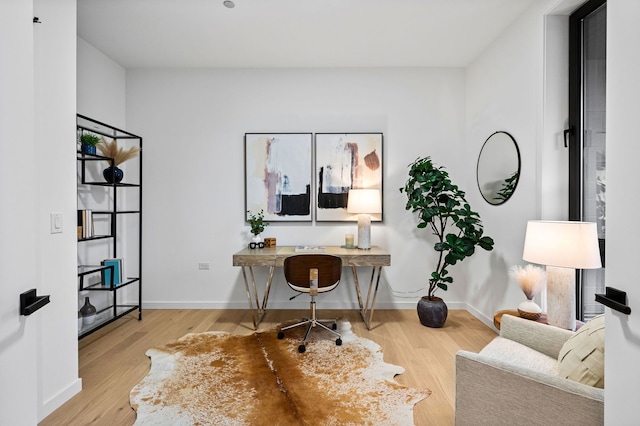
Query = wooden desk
x=274 y=257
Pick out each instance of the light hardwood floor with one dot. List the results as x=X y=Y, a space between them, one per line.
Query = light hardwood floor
x=113 y=359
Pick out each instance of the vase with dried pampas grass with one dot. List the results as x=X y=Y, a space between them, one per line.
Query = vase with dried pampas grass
x=118 y=156
x=531 y=279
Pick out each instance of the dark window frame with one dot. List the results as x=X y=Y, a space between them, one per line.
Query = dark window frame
x=572 y=133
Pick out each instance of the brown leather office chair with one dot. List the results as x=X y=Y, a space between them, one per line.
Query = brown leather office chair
x=300 y=271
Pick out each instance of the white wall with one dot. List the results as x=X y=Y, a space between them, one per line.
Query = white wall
x=193 y=123
x=436 y=112
x=505 y=91
x=101 y=86
x=623 y=332
x=18 y=267
x=55 y=106
x=38 y=352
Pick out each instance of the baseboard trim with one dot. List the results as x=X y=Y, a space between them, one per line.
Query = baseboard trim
x=284 y=304
x=400 y=305
x=56 y=401
x=488 y=321
x=301 y=304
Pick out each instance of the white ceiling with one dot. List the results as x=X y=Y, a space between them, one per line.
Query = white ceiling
x=294 y=33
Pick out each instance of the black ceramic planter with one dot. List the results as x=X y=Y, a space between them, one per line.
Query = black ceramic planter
x=113 y=174
x=432 y=312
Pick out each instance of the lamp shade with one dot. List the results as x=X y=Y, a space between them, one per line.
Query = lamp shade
x=364 y=201
x=563 y=244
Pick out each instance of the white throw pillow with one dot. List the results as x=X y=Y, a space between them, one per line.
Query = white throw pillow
x=582 y=356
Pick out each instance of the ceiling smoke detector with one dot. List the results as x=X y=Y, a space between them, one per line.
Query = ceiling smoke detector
x=229 y=4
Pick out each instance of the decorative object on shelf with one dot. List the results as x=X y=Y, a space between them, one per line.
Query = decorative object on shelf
x=563 y=246
x=278 y=175
x=118 y=155
x=346 y=161
x=257 y=223
x=364 y=202
x=117 y=267
x=113 y=174
x=531 y=279
x=88 y=142
x=441 y=206
x=88 y=312
x=269 y=242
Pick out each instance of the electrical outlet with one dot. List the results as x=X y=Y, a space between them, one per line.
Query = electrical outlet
x=203 y=266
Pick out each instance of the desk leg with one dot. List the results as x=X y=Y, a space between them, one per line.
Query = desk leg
x=357 y=284
x=257 y=311
x=366 y=310
x=254 y=315
x=266 y=290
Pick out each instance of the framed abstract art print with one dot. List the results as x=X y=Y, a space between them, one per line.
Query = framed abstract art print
x=345 y=161
x=278 y=175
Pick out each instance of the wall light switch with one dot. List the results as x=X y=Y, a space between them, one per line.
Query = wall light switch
x=203 y=266
x=56 y=223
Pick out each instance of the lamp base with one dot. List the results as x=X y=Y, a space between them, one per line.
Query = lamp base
x=364 y=231
x=561 y=297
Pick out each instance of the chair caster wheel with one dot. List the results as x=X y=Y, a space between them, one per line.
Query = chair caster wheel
x=302 y=349
x=281 y=335
x=334 y=326
x=338 y=342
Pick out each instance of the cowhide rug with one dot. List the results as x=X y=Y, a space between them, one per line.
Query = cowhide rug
x=217 y=378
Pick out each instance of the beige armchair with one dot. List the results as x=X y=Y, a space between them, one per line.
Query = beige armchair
x=514 y=381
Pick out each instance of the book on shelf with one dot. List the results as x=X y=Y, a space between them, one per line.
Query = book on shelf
x=310 y=249
x=117 y=272
x=85 y=223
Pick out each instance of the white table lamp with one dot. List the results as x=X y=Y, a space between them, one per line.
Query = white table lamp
x=562 y=247
x=364 y=202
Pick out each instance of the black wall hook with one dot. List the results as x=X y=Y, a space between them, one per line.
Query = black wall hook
x=36 y=20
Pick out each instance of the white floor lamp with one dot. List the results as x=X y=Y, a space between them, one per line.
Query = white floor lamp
x=562 y=247
x=364 y=202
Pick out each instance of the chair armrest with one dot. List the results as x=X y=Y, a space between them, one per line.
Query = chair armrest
x=491 y=392
x=541 y=337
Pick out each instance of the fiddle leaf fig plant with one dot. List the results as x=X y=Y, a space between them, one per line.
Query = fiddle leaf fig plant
x=441 y=206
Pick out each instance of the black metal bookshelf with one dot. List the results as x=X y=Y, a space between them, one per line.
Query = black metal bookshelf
x=91 y=278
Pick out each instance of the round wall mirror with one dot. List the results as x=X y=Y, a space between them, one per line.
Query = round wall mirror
x=498 y=168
